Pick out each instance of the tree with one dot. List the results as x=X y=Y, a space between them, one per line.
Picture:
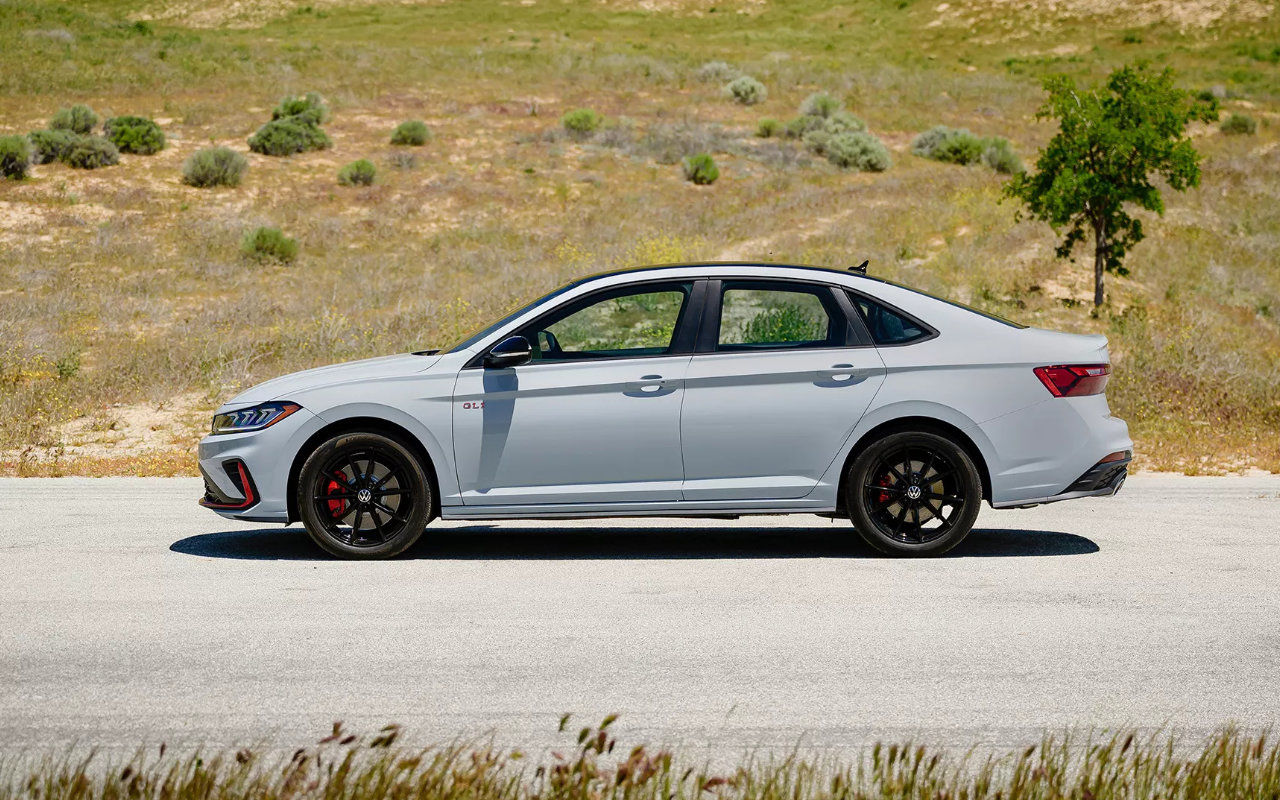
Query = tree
x=1110 y=145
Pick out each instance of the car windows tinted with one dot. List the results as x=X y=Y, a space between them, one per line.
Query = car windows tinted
x=641 y=322
x=753 y=318
x=887 y=326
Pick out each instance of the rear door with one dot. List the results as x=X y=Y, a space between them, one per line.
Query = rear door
x=782 y=372
x=595 y=416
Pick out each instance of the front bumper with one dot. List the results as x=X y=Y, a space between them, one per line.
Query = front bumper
x=247 y=474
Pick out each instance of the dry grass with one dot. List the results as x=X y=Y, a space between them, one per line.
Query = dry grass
x=138 y=279
x=345 y=766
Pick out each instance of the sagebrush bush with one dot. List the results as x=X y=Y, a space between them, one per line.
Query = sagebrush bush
x=924 y=144
x=78 y=119
x=820 y=104
x=746 y=90
x=413 y=132
x=403 y=160
x=269 y=244
x=581 y=122
x=717 y=72
x=51 y=145
x=15 y=157
x=998 y=154
x=288 y=135
x=768 y=128
x=309 y=108
x=1239 y=124
x=700 y=169
x=215 y=166
x=961 y=148
x=92 y=152
x=358 y=173
x=857 y=150
x=137 y=135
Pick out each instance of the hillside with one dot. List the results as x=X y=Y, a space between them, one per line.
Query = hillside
x=128 y=312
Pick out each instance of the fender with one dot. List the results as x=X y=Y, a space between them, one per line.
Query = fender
x=446 y=476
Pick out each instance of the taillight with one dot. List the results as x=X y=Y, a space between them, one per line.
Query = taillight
x=1074 y=380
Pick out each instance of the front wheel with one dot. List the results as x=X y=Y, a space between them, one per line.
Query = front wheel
x=913 y=493
x=364 y=495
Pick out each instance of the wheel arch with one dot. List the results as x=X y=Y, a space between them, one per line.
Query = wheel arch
x=363 y=424
x=917 y=423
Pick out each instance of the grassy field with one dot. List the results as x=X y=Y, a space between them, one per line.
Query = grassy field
x=349 y=767
x=128 y=312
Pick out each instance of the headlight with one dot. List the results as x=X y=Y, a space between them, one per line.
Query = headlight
x=252 y=419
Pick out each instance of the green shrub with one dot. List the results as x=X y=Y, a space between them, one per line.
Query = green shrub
x=413 y=132
x=926 y=143
x=269 y=244
x=717 y=72
x=1237 y=124
x=92 y=152
x=308 y=108
x=51 y=145
x=581 y=122
x=768 y=128
x=857 y=150
x=358 y=173
x=746 y=90
x=137 y=135
x=820 y=104
x=998 y=154
x=803 y=124
x=77 y=119
x=15 y=157
x=962 y=148
x=789 y=322
x=215 y=166
x=700 y=169
x=288 y=135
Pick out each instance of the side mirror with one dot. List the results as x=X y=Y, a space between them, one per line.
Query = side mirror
x=510 y=352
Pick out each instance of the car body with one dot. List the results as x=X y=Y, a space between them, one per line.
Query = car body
x=772 y=378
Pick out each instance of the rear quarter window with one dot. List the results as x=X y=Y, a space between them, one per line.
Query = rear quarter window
x=887 y=326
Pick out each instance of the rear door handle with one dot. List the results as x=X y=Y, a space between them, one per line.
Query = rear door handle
x=839 y=372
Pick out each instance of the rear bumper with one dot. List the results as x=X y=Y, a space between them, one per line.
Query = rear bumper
x=1103 y=479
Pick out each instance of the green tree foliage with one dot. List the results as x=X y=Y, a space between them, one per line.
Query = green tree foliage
x=1112 y=141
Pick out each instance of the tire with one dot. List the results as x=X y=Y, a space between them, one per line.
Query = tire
x=364 y=496
x=913 y=494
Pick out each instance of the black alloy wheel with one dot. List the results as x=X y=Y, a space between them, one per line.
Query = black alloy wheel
x=913 y=493
x=364 y=495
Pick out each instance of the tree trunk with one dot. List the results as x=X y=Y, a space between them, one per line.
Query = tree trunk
x=1099 y=260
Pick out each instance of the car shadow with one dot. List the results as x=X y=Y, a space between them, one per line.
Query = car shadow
x=490 y=542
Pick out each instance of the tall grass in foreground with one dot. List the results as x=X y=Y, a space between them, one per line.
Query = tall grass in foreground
x=348 y=767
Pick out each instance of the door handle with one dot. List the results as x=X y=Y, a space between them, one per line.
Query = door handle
x=839 y=372
x=648 y=384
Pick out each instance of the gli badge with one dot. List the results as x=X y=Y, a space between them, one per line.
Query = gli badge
x=473 y=404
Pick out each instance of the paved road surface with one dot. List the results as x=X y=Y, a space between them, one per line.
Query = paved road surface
x=129 y=614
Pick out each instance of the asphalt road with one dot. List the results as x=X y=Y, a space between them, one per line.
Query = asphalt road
x=127 y=614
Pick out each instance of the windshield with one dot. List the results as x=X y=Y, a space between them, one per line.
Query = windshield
x=470 y=340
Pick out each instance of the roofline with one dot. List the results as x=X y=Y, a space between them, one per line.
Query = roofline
x=688 y=264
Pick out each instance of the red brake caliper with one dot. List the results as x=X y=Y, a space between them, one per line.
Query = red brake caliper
x=884 y=481
x=337 y=507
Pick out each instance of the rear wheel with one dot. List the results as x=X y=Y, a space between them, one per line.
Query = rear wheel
x=913 y=493
x=364 y=495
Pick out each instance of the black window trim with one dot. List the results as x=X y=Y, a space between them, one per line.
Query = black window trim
x=856 y=334
x=682 y=341
x=930 y=331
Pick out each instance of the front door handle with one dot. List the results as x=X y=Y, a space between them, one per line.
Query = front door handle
x=649 y=384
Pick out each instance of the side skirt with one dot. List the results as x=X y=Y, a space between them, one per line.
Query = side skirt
x=722 y=508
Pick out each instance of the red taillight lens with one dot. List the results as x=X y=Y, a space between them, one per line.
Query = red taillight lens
x=1074 y=380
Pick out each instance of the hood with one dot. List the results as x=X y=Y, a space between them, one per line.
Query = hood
x=285 y=386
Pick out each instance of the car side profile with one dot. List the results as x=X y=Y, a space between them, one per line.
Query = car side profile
x=715 y=389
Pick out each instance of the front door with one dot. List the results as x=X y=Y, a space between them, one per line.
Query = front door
x=594 y=417
x=782 y=376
